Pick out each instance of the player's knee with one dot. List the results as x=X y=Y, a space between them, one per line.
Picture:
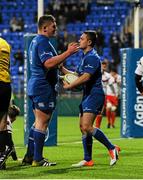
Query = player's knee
x=41 y=125
x=85 y=128
x=109 y=105
x=113 y=108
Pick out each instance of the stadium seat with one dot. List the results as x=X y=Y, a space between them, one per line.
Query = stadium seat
x=110 y=18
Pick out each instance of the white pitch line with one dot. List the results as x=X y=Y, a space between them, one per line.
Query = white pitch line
x=79 y=142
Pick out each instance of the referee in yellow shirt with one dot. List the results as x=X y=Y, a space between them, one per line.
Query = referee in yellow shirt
x=5 y=96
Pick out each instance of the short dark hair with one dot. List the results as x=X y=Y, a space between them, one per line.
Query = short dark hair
x=113 y=69
x=44 y=19
x=104 y=62
x=92 y=35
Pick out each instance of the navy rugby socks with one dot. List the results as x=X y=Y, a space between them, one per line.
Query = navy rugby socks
x=39 y=138
x=100 y=136
x=87 y=146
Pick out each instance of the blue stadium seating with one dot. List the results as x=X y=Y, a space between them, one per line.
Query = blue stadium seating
x=110 y=18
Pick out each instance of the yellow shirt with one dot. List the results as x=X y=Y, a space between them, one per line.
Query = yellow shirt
x=4 y=61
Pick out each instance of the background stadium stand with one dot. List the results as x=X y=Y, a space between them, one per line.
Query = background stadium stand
x=110 y=18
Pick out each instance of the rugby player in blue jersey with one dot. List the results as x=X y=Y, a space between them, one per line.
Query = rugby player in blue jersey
x=89 y=72
x=44 y=63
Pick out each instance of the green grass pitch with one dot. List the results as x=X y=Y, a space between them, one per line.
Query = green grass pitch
x=69 y=150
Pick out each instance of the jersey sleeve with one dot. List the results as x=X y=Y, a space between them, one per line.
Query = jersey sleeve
x=91 y=64
x=139 y=69
x=45 y=51
x=118 y=79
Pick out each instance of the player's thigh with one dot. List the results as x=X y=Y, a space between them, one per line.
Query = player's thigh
x=5 y=96
x=87 y=119
x=113 y=100
x=42 y=119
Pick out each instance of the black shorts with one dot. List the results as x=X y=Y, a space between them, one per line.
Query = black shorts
x=5 y=96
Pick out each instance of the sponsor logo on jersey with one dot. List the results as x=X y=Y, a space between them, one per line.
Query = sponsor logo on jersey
x=41 y=104
x=51 y=104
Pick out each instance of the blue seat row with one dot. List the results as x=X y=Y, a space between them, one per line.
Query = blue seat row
x=110 y=18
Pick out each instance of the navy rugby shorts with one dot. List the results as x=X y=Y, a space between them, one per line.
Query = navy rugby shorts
x=92 y=103
x=45 y=102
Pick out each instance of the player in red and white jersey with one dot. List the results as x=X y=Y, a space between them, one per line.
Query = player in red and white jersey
x=112 y=95
x=105 y=81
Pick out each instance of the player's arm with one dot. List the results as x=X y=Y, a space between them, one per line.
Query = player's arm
x=118 y=80
x=138 y=82
x=66 y=71
x=81 y=80
x=56 y=60
x=89 y=68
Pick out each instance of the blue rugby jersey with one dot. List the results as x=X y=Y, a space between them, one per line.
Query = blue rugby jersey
x=90 y=63
x=42 y=80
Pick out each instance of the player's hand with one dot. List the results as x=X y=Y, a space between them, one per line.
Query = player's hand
x=142 y=94
x=66 y=85
x=73 y=47
x=60 y=66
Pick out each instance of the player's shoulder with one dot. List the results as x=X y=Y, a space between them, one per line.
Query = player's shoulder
x=4 y=45
x=118 y=76
x=3 y=41
x=40 y=38
x=141 y=60
x=93 y=53
x=107 y=74
x=93 y=59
